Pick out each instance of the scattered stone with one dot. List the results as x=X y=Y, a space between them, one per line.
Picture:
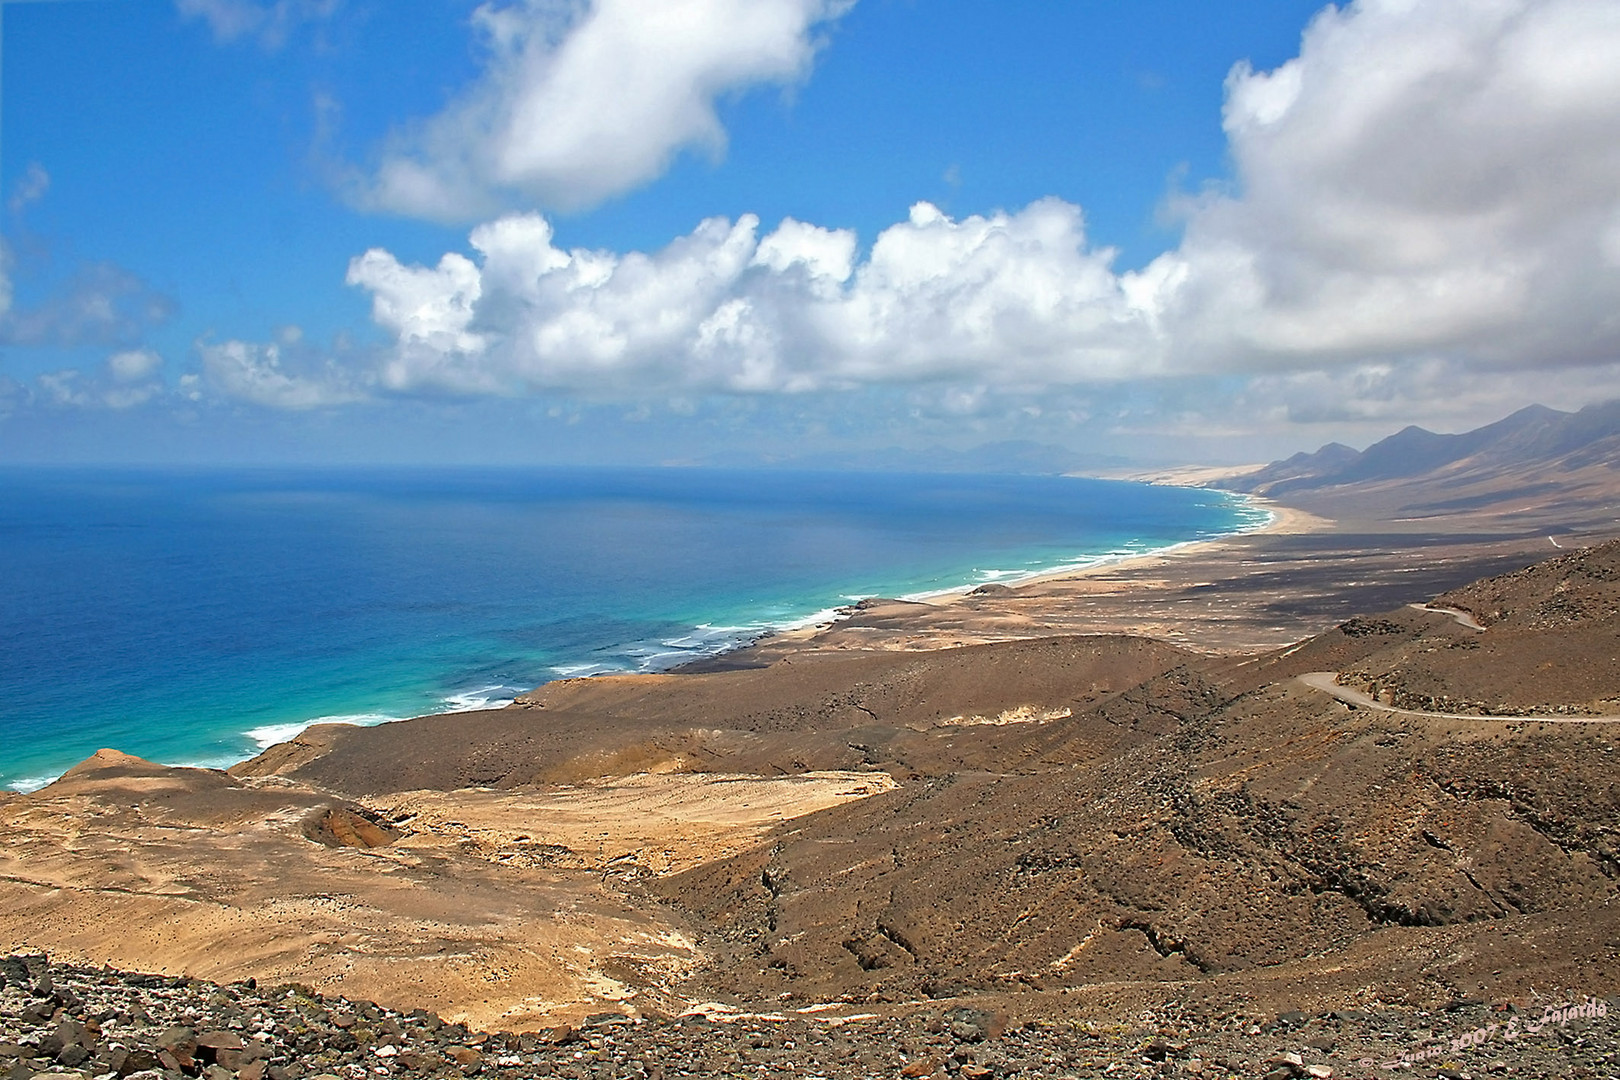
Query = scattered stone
x=38 y=1012
x=138 y=1060
x=37 y=971
x=220 y=1040
x=138 y=1027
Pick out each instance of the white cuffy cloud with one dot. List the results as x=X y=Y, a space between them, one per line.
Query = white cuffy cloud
x=723 y=309
x=1427 y=177
x=65 y=388
x=580 y=101
x=1430 y=186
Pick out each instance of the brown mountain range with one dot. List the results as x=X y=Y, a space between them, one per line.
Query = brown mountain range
x=1541 y=465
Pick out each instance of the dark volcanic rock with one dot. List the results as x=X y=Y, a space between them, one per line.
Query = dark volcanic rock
x=349 y=826
x=1564 y=1038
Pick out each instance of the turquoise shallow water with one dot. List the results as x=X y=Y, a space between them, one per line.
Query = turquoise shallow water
x=194 y=617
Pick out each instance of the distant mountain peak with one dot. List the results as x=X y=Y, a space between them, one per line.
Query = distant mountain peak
x=1531 y=451
x=1533 y=411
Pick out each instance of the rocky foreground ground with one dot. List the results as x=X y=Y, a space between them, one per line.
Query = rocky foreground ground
x=74 y=1022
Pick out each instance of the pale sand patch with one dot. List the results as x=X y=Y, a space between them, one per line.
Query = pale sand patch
x=634 y=825
x=1180 y=475
x=1023 y=714
x=1285 y=521
x=184 y=871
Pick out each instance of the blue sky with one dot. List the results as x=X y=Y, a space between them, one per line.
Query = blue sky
x=357 y=230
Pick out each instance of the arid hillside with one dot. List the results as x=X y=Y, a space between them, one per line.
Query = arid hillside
x=1550 y=646
x=1538 y=468
x=1220 y=830
x=1101 y=823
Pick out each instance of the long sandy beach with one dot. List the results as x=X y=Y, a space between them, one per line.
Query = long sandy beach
x=1263 y=588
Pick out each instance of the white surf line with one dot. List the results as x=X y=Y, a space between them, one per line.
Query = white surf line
x=1462 y=617
x=1555 y=543
x=1324 y=681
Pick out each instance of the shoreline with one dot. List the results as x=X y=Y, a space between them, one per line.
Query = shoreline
x=1152 y=593
x=746 y=638
x=1281 y=520
x=1249 y=591
x=1275 y=517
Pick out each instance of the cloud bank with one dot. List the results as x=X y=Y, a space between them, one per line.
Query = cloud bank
x=1430 y=182
x=580 y=101
x=725 y=309
x=1433 y=177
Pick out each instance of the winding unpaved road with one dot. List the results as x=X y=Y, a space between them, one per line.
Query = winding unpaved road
x=1463 y=618
x=1324 y=681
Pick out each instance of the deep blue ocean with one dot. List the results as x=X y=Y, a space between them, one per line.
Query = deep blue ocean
x=197 y=616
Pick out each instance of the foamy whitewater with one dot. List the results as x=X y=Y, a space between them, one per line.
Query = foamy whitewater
x=198 y=617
